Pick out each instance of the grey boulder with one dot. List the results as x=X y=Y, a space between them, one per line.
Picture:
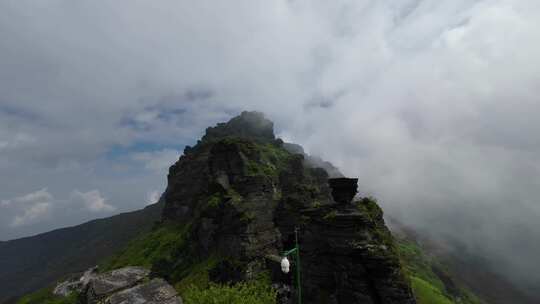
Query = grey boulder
x=152 y=292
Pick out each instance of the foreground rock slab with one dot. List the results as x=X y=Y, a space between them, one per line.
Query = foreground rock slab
x=75 y=284
x=116 y=280
x=155 y=291
x=128 y=285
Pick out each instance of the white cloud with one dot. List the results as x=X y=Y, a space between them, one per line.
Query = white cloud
x=152 y=197
x=157 y=160
x=92 y=201
x=16 y=141
x=31 y=214
x=41 y=208
x=29 y=208
x=38 y=196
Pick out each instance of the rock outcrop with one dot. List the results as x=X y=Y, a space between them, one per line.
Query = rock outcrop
x=349 y=255
x=76 y=284
x=151 y=292
x=128 y=285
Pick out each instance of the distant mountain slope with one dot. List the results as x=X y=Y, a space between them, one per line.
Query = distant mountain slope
x=454 y=274
x=476 y=273
x=431 y=281
x=33 y=262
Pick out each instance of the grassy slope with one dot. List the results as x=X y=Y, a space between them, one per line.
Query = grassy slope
x=428 y=287
x=191 y=281
x=256 y=292
x=148 y=248
x=426 y=292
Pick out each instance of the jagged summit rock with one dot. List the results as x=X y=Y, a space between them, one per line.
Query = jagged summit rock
x=251 y=125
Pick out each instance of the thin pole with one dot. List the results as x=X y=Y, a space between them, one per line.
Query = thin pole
x=298 y=266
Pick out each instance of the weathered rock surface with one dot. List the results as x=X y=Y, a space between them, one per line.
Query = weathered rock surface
x=128 y=285
x=106 y=284
x=152 y=292
x=76 y=284
x=353 y=254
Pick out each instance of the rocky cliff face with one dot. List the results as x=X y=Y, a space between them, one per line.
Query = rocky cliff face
x=242 y=194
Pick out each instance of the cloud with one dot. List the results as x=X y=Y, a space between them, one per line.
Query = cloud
x=153 y=197
x=40 y=195
x=159 y=160
x=31 y=207
x=92 y=201
x=30 y=214
x=41 y=207
x=17 y=141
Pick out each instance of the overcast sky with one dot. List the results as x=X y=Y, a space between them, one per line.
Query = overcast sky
x=433 y=104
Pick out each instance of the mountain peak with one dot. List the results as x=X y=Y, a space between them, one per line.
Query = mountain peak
x=249 y=124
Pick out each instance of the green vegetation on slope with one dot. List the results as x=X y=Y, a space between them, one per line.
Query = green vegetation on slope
x=265 y=159
x=149 y=248
x=369 y=207
x=253 y=292
x=428 y=287
x=165 y=251
x=196 y=276
x=416 y=264
x=427 y=293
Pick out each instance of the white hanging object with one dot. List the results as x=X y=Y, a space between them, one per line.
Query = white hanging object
x=285 y=265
